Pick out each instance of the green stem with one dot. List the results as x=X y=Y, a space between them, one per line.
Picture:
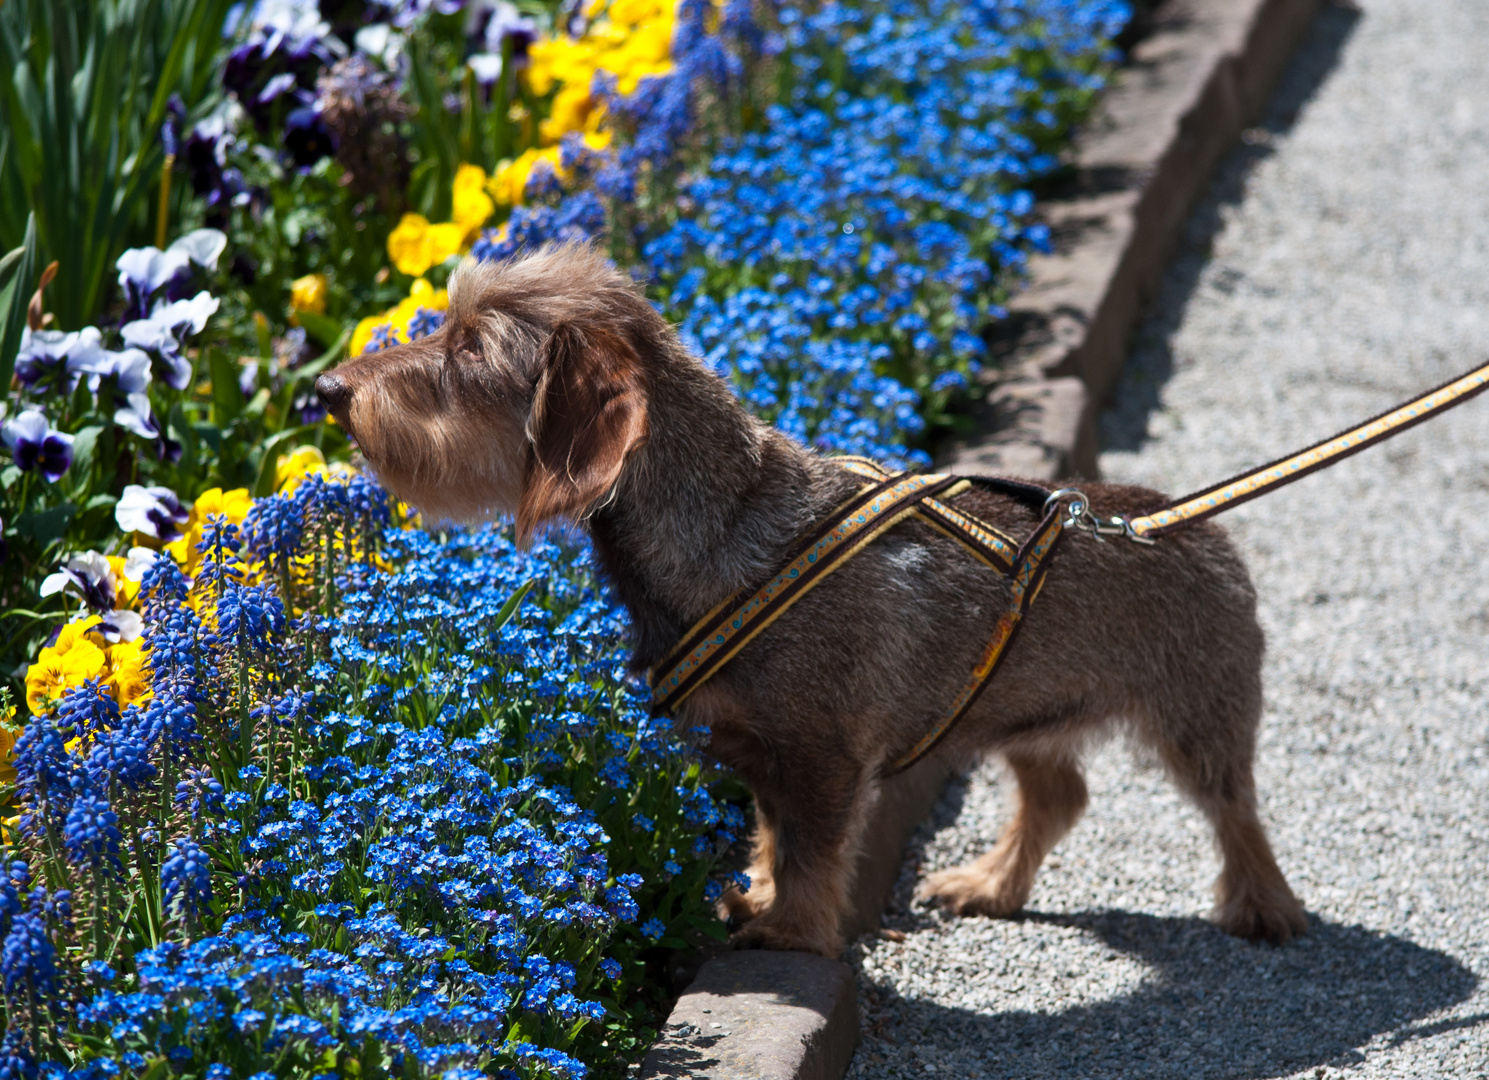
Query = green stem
x=99 y=908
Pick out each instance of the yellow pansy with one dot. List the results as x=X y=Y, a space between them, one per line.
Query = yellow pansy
x=560 y=60
x=416 y=245
x=511 y=179
x=569 y=112
x=309 y=293
x=631 y=39
x=129 y=677
x=80 y=630
x=421 y=294
x=295 y=466
x=472 y=206
x=364 y=331
x=54 y=671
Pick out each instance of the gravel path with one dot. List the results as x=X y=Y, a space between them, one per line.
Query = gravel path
x=1341 y=263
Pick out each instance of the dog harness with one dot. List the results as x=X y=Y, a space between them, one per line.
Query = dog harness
x=886 y=499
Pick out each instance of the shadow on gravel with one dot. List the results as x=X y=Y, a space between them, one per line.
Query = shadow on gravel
x=1124 y=424
x=1210 y=1006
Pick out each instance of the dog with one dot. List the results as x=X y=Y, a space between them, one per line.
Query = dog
x=554 y=390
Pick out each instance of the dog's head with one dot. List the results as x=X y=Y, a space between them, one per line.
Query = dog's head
x=528 y=400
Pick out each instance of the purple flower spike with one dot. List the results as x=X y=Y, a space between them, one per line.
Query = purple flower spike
x=34 y=444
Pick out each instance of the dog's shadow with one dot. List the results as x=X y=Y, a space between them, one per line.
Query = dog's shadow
x=1189 y=1001
x=1211 y=1012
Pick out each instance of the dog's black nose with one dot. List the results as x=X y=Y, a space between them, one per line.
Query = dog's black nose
x=331 y=390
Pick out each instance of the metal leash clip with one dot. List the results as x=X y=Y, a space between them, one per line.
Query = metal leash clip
x=1081 y=517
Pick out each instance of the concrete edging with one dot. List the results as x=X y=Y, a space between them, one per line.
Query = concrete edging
x=1190 y=88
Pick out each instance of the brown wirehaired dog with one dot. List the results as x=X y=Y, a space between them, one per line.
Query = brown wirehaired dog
x=554 y=390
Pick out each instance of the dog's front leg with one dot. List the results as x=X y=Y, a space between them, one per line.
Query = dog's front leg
x=804 y=843
x=740 y=907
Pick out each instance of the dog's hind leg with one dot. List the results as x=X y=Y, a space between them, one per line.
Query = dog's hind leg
x=1214 y=767
x=1051 y=799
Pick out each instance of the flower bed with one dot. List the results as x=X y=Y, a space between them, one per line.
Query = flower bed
x=297 y=786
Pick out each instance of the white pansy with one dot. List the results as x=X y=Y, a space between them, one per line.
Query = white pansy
x=202 y=246
x=193 y=313
x=89 y=575
x=154 y=511
x=121 y=625
x=138 y=561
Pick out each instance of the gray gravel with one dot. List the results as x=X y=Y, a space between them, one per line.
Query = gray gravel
x=1341 y=263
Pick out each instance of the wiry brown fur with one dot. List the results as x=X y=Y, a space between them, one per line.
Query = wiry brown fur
x=555 y=390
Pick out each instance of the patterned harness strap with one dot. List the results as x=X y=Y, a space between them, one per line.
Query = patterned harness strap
x=885 y=501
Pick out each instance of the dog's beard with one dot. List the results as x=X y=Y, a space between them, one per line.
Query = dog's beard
x=456 y=467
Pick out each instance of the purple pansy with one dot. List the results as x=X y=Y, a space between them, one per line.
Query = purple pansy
x=488 y=26
x=42 y=359
x=36 y=445
x=145 y=271
x=161 y=335
x=205 y=150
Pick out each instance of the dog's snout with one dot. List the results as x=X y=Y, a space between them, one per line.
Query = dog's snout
x=332 y=390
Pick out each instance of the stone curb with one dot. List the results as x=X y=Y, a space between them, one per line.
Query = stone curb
x=1190 y=88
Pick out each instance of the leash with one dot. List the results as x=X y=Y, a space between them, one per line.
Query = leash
x=888 y=498
x=1275 y=474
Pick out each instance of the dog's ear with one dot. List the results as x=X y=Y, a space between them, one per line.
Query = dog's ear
x=588 y=414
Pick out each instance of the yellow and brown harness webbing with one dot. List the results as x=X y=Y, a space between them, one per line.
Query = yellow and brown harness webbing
x=885 y=501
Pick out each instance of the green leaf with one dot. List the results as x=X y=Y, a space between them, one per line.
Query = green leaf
x=513 y=603
x=713 y=928
x=84 y=443
x=263 y=486
x=325 y=330
x=260 y=402
x=101 y=500
x=45 y=526
x=227 y=396
x=183 y=433
x=265 y=339
x=16 y=296
x=10 y=263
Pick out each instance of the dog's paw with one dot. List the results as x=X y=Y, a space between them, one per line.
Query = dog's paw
x=738 y=908
x=969 y=890
x=1275 y=918
x=766 y=933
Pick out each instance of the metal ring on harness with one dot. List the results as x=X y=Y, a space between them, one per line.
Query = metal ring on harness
x=1082 y=518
